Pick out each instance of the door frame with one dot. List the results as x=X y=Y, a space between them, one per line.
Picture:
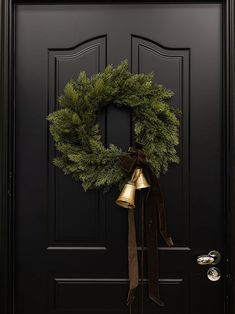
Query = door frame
x=7 y=143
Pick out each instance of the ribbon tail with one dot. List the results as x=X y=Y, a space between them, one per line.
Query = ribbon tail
x=151 y=235
x=162 y=216
x=132 y=257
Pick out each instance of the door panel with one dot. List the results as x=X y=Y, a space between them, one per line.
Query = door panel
x=172 y=69
x=71 y=246
x=65 y=231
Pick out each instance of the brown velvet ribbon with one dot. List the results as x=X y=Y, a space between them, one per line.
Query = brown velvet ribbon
x=155 y=216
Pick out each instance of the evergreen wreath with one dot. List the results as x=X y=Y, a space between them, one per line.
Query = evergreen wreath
x=77 y=136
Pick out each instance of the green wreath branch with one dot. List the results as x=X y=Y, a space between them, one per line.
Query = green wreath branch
x=76 y=132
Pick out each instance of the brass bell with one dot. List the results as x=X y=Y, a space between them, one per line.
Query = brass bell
x=127 y=196
x=139 y=179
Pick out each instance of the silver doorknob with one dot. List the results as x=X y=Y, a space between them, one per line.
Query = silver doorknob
x=213 y=274
x=212 y=258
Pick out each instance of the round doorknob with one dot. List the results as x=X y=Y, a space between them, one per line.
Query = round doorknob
x=212 y=258
x=213 y=274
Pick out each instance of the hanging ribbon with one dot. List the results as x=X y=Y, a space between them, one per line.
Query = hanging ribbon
x=154 y=209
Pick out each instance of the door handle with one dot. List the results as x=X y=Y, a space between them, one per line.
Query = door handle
x=212 y=258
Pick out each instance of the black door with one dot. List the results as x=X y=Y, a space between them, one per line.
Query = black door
x=71 y=246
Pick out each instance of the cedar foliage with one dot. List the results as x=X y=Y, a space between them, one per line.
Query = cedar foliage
x=76 y=132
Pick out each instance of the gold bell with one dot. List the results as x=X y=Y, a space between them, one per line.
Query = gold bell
x=139 y=179
x=127 y=196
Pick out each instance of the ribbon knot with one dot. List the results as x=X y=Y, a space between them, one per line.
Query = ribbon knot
x=135 y=157
x=153 y=215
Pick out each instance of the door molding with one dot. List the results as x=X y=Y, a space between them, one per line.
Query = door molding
x=7 y=145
